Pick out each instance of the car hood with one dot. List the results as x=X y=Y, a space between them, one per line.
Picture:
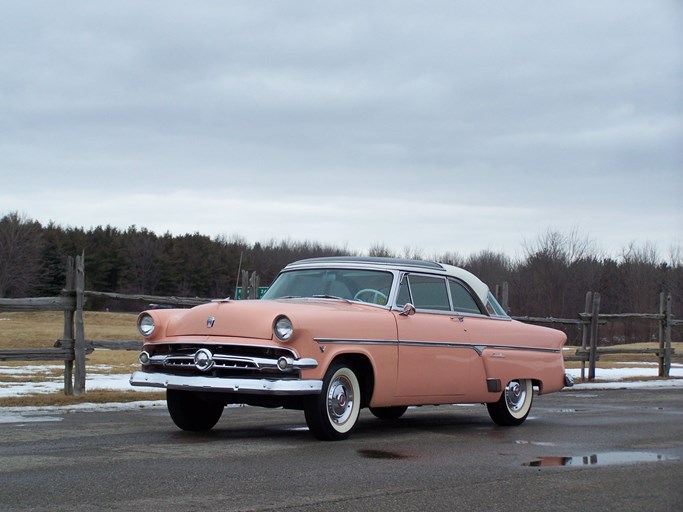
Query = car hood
x=255 y=318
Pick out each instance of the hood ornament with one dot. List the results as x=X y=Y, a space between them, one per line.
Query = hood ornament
x=210 y=321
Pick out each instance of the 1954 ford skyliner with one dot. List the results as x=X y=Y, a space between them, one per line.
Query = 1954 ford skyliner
x=334 y=335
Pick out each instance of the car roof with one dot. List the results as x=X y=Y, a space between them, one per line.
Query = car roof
x=405 y=265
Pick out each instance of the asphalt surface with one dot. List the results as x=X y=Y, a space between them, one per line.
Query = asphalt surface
x=599 y=450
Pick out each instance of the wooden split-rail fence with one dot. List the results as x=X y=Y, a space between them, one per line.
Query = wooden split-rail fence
x=72 y=348
x=590 y=320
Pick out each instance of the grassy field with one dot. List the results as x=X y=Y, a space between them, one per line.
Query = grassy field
x=42 y=329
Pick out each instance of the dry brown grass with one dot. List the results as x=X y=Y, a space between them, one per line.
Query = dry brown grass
x=97 y=397
x=40 y=330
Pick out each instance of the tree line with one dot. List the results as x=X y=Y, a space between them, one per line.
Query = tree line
x=550 y=279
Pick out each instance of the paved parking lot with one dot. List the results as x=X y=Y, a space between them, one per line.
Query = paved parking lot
x=579 y=450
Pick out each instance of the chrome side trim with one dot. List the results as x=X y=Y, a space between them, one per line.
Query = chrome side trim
x=227 y=384
x=478 y=348
x=355 y=341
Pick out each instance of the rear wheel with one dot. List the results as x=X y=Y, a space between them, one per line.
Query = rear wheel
x=514 y=404
x=189 y=412
x=332 y=415
x=388 y=413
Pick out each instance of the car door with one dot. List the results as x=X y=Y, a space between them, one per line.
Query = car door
x=434 y=350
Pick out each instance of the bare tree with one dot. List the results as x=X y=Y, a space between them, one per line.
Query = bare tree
x=412 y=253
x=557 y=271
x=639 y=275
x=491 y=267
x=143 y=250
x=20 y=252
x=380 y=250
x=451 y=258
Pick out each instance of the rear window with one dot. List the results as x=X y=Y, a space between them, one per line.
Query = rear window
x=463 y=302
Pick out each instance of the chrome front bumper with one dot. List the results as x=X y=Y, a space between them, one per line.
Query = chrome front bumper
x=227 y=384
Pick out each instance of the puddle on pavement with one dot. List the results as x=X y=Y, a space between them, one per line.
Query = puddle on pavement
x=601 y=459
x=564 y=411
x=383 y=454
x=13 y=417
x=535 y=443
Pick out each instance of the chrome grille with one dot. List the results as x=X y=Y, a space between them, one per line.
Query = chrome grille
x=225 y=360
x=220 y=361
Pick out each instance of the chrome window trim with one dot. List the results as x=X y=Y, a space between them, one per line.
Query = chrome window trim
x=479 y=288
x=390 y=296
x=483 y=313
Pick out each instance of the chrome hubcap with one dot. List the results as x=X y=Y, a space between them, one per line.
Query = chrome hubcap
x=514 y=396
x=340 y=400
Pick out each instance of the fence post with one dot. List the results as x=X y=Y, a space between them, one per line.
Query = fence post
x=506 y=293
x=79 y=342
x=245 y=284
x=585 y=332
x=665 y=335
x=254 y=281
x=502 y=294
x=68 y=337
x=594 y=336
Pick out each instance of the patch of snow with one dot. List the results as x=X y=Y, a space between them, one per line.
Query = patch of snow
x=612 y=378
x=615 y=377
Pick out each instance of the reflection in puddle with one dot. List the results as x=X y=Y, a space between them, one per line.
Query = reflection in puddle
x=382 y=454
x=535 y=443
x=601 y=459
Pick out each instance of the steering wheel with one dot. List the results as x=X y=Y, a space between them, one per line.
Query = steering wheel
x=375 y=296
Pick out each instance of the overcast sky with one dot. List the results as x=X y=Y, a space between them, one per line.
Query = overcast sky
x=441 y=125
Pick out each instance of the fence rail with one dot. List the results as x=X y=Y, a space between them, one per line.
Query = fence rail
x=590 y=321
x=73 y=347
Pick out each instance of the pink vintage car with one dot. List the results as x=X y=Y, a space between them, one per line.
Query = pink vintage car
x=334 y=335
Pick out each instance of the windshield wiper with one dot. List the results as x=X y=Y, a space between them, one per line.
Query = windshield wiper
x=330 y=297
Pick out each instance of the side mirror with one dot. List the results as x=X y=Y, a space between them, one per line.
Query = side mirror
x=408 y=310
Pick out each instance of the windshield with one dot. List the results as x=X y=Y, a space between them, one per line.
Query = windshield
x=371 y=286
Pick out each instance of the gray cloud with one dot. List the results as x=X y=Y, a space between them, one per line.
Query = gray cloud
x=438 y=121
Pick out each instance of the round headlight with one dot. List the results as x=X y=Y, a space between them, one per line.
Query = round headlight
x=283 y=328
x=146 y=325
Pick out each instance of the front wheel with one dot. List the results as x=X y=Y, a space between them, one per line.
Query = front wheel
x=333 y=413
x=190 y=412
x=514 y=404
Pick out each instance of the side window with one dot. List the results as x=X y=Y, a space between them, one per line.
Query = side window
x=463 y=302
x=429 y=293
x=403 y=293
x=494 y=308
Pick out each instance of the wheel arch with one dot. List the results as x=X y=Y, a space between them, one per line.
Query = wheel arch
x=362 y=367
